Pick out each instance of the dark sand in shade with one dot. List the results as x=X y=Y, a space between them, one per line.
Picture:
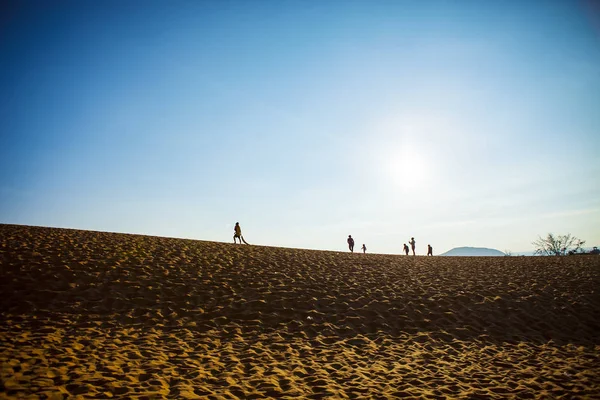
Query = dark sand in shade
x=102 y=315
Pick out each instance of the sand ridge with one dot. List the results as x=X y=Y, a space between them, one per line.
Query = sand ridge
x=104 y=315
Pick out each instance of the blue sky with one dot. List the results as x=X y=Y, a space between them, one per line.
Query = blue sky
x=461 y=123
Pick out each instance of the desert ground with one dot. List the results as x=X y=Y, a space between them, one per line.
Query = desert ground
x=103 y=315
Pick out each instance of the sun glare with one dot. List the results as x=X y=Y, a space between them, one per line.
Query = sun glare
x=406 y=146
x=408 y=169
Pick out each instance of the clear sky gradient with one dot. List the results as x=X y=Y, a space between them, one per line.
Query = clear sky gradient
x=461 y=123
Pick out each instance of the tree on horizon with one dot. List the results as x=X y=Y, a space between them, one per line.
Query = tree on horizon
x=557 y=245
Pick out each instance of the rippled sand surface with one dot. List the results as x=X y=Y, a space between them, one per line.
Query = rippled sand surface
x=102 y=315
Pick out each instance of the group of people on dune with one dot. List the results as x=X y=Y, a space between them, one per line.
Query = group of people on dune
x=237 y=235
x=405 y=249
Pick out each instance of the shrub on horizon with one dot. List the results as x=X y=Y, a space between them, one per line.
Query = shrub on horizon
x=558 y=245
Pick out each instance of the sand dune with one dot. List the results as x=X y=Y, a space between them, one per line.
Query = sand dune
x=102 y=315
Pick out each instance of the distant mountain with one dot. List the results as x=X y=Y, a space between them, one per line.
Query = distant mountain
x=473 y=251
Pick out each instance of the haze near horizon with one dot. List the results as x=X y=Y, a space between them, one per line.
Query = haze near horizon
x=458 y=123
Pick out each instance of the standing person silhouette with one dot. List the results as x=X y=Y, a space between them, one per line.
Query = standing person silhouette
x=237 y=233
x=364 y=248
x=429 y=250
x=351 y=243
x=405 y=248
x=412 y=245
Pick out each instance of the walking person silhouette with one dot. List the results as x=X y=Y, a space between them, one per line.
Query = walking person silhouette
x=364 y=248
x=351 y=243
x=405 y=248
x=429 y=250
x=237 y=233
x=412 y=245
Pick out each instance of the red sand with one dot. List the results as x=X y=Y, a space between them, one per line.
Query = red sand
x=100 y=315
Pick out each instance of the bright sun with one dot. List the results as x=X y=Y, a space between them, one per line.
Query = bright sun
x=408 y=169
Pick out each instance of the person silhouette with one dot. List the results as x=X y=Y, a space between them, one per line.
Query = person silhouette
x=351 y=243
x=237 y=233
x=412 y=245
x=429 y=250
x=405 y=248
x=364 y=248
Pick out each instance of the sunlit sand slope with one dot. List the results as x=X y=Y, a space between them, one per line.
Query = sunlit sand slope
x=100 y=315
